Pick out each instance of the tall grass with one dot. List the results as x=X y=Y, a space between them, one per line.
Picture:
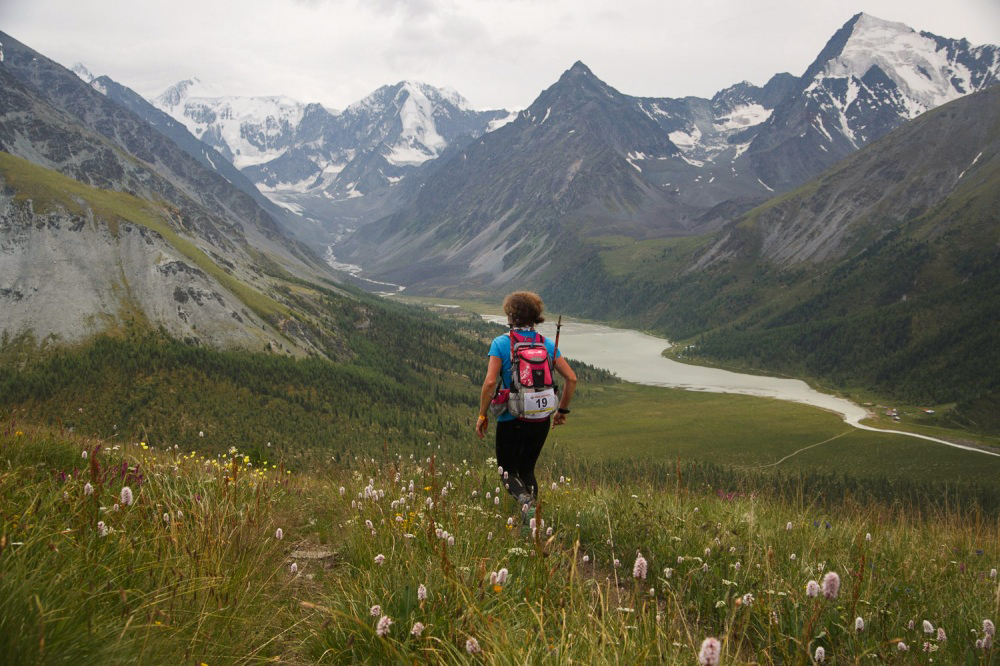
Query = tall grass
x=212 y=583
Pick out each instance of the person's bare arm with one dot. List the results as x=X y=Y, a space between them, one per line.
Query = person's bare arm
x=562 y=367
x=489 y=387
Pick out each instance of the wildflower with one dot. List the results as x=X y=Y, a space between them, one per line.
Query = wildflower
x=788 y=526
x=294 y=568
x=988 y=628
x=417 y=629
x=668 y=572
x=820 y=655
x=901 y=646
x=555 y=486
x=279 y=534
x=502 y=576
x=868 y=536
x=704 y=567
x=472 y=646
x=201 y=433
x=831 y=585
x=380 y=559
x=859 y=624
x=928 y=627
x=792 y=557
x=993 y=573
x=116 y=507
x=102 y=529
x=496 y=501
x=84 y=454
x=652 y=591
x=708 y=552
x=166 y=518
x=979 y=644
x=489 y=537
x=180 y=515
x=451 y=540
x=748 y=599
x=586 y=558
x=941 y=635
x=342 y=491
x=640 y=567
x=384 y=623
x=548 y=531
x=737 y=567
x=375 y=611
x=709 y=653
x=812 y=589
x=562 y=479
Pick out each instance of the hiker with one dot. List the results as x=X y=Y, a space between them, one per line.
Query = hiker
x=519 y=441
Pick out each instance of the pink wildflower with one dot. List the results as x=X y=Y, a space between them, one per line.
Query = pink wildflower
x=375 y=610
x=279 y=534
x=421 y=592
x=502 y=576
x=928 y=627
x=812 y=589
x=859 y=624
x=88 y=489
x=941 y=635
x=380 y=559
x=640 y=567
x=384 y=623
x=472 y=646
x=988 y=628
x=820 y=655
x=831 y=585
x=901 y=646
x=418 y=628
x=102 y=529
x=294 y=568
x=710 y=651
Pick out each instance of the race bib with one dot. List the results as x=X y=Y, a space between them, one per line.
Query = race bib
x=540 y=404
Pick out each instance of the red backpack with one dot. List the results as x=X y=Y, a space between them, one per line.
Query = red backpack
x=532 y=395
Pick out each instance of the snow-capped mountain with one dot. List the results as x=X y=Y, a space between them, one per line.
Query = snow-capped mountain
x=80 y=70
x=871 y=77
x=290 y=148
x=247 y=130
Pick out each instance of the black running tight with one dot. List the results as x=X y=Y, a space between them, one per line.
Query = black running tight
x=518 y=445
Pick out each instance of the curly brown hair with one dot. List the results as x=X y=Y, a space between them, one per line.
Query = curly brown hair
x=524 y=308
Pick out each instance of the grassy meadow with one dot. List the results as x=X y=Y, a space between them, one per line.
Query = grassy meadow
x=419 y=556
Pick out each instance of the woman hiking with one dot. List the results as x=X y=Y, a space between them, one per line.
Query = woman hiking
x=519 y=441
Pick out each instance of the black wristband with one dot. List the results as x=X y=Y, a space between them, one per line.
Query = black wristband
x=563 y=410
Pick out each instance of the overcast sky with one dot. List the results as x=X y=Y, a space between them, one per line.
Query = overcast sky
x=496 y=53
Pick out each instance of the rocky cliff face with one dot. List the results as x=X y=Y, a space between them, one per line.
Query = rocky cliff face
x=67 y=276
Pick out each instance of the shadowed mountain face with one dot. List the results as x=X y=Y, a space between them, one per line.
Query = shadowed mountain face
x=882 y=272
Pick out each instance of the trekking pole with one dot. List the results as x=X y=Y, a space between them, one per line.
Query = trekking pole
x=558 y=329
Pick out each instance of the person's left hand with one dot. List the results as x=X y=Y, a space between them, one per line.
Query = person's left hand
x=482 y=424
x=558 y=419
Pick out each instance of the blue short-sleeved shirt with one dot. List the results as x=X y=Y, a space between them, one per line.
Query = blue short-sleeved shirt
x=500 y=347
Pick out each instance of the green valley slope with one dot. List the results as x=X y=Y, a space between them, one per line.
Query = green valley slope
x=881 y=274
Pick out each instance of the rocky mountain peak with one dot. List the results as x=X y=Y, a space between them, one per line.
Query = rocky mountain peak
x=80 y=70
